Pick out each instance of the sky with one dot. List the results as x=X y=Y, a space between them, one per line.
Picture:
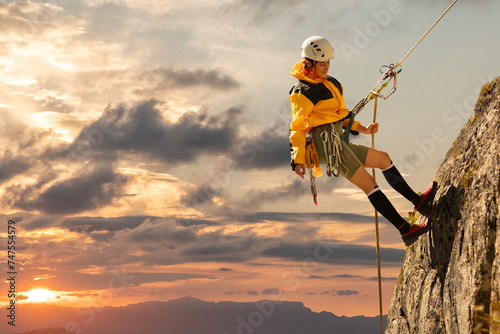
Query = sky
x=145 y=155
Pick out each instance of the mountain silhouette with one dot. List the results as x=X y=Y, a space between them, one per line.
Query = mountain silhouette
x=193 y=316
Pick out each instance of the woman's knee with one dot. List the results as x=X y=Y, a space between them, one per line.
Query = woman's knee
x=378 y=159
x=385 y=160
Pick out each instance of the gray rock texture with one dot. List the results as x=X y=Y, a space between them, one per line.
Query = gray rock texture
x=450 y=279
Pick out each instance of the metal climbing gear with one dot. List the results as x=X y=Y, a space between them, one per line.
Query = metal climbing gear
x=314 y=192
x=389 y=75
x=332 y=147
x=313 y=166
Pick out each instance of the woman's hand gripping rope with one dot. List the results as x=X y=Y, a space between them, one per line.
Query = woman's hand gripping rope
x=312 y=164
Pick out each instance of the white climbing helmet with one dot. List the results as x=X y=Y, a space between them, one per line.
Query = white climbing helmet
x=317 y=48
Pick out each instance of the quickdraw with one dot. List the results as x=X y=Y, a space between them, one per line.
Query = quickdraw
x=313 y=166
x=389 y=75
x=332 y=147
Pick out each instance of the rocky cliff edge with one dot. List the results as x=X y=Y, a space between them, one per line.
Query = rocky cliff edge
x=450 y=279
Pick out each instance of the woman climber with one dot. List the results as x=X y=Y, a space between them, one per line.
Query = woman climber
x=319 y=113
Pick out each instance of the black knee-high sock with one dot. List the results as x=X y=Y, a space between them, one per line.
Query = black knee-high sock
x=399 y=184
x=382 y=204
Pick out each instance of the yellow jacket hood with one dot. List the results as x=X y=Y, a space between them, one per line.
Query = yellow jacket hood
x=298 y=72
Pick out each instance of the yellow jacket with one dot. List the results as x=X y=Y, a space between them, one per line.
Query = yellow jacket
x=314 y=102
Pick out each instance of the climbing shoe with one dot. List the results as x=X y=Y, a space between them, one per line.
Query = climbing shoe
x=426 y=199
x=416 y=231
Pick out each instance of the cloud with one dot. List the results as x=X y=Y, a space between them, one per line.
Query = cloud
x=256 y=197
x=338 y=292
x=271 y=291
x=111 y=225
x=266 y=150
x=182 y=78
x=159 y=231
x=11 y=165
x=346 y=292
x=93 y=189
x=143 y=131
x=335 y=253
x=185 y=222
x=300 y=217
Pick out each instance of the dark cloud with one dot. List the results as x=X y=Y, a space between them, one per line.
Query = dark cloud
x=11 y=165
x=162 y=241
x=339 y=292
x=271 y=291
x=181 y=78
x=335 y=253
x=346 y=292
x=190 y=222
x=203 y=193
x=161 y=231
x=88 y=191
x=141 y=130
x=316 y=277
x=255 y=198
x=298 y=217
x=267 y=150
x=347 y=276
x=112 y=224
x=213 y=245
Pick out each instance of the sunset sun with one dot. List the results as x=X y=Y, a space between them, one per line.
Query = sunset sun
x=39 y=295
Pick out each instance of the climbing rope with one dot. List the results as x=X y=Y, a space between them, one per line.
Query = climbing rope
x=390 y=74
x=421 y=38
x=379 y=272
x=377 y=235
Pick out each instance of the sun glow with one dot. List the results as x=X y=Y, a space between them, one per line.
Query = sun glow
x=39 y=295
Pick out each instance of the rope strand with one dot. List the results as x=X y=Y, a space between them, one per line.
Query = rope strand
x=421 y=38
x=379 y=272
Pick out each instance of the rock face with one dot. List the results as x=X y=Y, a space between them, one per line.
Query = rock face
x=450 y=279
